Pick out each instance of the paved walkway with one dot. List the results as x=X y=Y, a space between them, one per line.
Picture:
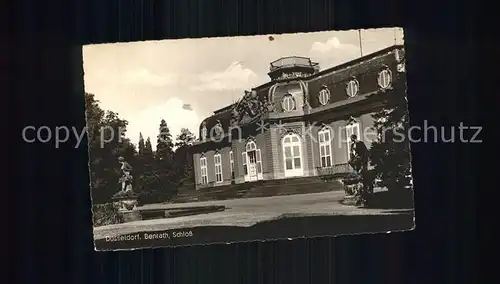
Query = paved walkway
x=244 y=212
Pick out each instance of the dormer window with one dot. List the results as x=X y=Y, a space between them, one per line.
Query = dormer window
x=204 y=133
x=385 y=78
x=218 y=130
x=352 y=88
x=288 y=103
x=324 y=96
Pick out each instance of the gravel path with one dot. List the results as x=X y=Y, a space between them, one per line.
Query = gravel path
x=244 y=213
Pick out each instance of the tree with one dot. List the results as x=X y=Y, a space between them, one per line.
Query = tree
x=165 y=159
x=185 y=139
x=164 y=145
x=390 y=154
x=141 y=145
x=148 y=149
x=159 y=178
x=106 y=140
x=183 y=157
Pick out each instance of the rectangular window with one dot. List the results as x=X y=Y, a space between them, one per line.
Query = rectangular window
x=245 y=168
x=231 y=162
x=350 y=130
x=218 y=167
x=325 y=148
x=203 y=170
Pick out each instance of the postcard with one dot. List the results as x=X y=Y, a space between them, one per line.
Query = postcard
x=256 y=138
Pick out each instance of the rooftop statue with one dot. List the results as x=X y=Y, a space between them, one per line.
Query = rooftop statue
x=249 y=106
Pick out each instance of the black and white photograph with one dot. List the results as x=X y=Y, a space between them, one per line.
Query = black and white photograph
x=254 y=138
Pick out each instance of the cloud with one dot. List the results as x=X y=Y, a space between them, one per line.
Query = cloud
x=187 y=107
x=327 y=46
x=333 y=52
x=235 y=77
x=145 y=77
x=148 y=120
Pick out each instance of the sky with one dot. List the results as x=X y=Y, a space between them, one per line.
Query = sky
x=184 y=81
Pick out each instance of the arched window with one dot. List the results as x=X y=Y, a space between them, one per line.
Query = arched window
x=218 y=167
x=288 y=103
x=325 y=147
x=251 y=146
x=352 y=88
x=324 y=96
x=292 y=155
x=384 y=78
x=203 y=170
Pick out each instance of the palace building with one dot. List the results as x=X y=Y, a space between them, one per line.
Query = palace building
x=299 y=123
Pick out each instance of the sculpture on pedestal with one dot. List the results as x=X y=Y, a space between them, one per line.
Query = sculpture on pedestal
x=359 y=183
x=125 y=199
x=126 y=179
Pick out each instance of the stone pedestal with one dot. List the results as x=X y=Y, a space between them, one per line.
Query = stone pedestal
x=351 y=200
x=353 y=187
x=126 y=203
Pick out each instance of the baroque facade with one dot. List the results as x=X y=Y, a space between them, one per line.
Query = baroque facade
x=299 y=123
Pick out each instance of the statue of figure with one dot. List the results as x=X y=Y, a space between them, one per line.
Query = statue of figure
x=270 y=106
x=126 y=178
x=249 y=105
x=359 y=162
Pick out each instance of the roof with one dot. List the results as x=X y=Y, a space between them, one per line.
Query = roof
x=224 y=115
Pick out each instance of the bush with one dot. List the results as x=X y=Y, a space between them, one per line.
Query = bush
x=105 y=214
x=150 y=197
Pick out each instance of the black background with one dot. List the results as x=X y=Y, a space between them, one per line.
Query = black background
x=50 y=235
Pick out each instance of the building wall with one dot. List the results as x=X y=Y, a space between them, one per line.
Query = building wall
x=339 y=139
x=197 y=169
x=366 y=73
x=278 y=156
x=270 y=144
x=268 y=164
x=293 y=88
x=239 y=147
x=225 y=164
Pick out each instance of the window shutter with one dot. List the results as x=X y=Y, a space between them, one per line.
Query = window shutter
x=244 y=156
x=259 y=161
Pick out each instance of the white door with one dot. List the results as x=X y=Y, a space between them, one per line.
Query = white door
x=292 y=154
x=252 y=166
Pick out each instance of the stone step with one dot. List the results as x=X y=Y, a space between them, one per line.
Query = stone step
x=300 y=185
x=291 y=189
x=296 y=180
